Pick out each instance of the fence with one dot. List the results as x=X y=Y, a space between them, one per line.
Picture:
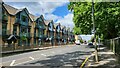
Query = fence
x=114 y=46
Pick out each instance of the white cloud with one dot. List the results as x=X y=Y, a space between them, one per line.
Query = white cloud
x=67 y=20
x=52 y=17
x=36 y=0
x=49 y=7
x=39 y=7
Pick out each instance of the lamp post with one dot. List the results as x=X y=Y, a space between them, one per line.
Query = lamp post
x=96 y=52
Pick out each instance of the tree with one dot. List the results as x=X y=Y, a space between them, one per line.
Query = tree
x=107 y=18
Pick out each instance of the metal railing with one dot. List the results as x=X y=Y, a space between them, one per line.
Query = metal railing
x=21 y=22
x=113 y=45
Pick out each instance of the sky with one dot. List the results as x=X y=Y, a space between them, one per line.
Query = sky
x=86 y=37
x=51 y=10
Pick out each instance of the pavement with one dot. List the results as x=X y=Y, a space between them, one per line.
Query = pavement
x=69 y=55
x=107 y=59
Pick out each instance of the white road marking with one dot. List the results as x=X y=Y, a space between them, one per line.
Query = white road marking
x=31 y=58
x=12 y=62
x=43 y=55
x=53 y=52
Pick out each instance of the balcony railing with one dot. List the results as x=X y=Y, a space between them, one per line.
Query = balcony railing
x=29 y=35
x=18 y=21
x=58 y=37
x=40 y=26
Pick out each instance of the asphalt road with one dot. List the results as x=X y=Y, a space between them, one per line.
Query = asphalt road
x=69 y=55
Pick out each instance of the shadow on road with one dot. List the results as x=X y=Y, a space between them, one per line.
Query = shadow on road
x=73 y=59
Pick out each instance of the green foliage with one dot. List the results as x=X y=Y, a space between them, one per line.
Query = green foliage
x=81 y=41
x=76 y=30
x=107 y=18
x=23 y=37
x=92 y=39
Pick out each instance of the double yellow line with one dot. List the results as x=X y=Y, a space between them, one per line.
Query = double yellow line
x=84 y=62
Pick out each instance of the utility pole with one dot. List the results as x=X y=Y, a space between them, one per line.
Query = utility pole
x=96 y=52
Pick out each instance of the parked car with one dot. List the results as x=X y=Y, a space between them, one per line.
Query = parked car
x=90 y=45
x=85 y=42
x=77 y=42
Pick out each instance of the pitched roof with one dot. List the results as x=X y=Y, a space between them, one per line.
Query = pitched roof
x=47 y=22
x=33 y=18
x=55 y=25
x=11 y=10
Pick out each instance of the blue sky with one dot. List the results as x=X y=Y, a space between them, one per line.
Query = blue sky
x=62 y=10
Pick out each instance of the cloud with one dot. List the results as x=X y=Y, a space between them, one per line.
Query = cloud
x=67 y=20
x=36 y=0
x=46 y=8
x=49 y=7
x=39 y=7
x=52 y=17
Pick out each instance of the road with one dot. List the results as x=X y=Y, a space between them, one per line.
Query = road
x=69 y=55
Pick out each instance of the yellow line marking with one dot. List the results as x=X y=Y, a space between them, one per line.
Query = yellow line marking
x=86 y=60
x=84 y=63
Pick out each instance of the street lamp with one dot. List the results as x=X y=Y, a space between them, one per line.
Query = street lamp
x=96 y=53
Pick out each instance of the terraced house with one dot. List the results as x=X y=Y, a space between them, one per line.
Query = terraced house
x=24 y=31
x=70 y=36
x=57 y=34
x=64 y=35
x=38 y=29
x=18 y=24
x=49 y=32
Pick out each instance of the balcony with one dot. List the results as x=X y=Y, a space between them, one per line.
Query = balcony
x=18 y=21
x=4 y=18
x=15 y=33
x=39 y=26
x=41 y=36
x=58 y=37
x=29 y=35
x=5 y=34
